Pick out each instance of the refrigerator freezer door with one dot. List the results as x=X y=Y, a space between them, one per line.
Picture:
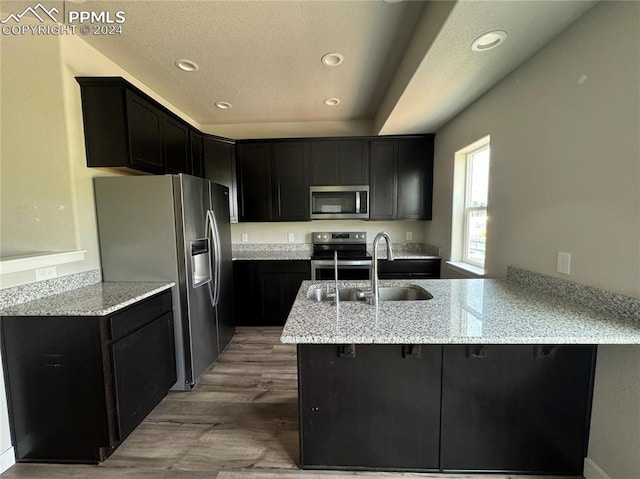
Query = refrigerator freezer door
x=224 y=285
x=200 y=331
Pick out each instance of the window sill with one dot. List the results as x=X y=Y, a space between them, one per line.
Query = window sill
x=466 y=269
x=39 y=260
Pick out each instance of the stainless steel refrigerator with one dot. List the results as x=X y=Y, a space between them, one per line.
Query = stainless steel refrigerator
x=173 y=228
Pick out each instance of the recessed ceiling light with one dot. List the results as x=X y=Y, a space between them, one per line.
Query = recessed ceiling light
x=332 y=59
x=331 y=101
x=488 y=41
x=187 y=65
x=223 y=105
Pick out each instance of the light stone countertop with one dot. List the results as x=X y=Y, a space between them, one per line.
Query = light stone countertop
x=98 y=299
x=462 y=311
x=267 y=255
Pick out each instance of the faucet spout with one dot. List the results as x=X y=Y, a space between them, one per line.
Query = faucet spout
x=375 y=291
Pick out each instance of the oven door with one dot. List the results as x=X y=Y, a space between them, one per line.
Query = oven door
x=348 y=270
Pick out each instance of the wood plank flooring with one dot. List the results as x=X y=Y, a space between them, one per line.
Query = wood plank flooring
x=240 y=422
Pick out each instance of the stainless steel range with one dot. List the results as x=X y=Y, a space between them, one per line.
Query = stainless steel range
x=354 y=262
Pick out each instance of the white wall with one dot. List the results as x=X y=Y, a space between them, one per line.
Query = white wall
x=278 y=232
x=565 y=169
x=300 y=129
x=565 y=176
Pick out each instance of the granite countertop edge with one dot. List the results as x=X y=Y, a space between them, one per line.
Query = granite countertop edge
x=510 y=314
x=100 y=299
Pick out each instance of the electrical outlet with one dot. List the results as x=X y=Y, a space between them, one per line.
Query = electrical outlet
x=563 y=263
x=409 y=236
x=244 y=237
x=46 y=273
x=291 y=237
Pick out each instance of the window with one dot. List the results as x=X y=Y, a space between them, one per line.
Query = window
x=475 y=206
x=470 y=198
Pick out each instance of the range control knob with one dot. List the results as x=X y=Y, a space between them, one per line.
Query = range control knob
x=325 y=236
x=318 y=236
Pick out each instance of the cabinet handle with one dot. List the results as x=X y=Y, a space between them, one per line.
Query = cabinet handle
x=477 y=351
x=411 y=351
x=347 y=351
x=542 y=351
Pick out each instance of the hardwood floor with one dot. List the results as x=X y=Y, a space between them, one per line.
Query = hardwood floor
x=241 y=422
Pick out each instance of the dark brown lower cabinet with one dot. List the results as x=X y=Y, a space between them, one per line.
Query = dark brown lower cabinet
x=78 y=385
x=377 y=410
x=451 y=408
x=517 y=408
x=265 y=290
x=409 y=269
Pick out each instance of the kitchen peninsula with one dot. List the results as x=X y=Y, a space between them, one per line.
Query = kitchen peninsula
x=487 y=376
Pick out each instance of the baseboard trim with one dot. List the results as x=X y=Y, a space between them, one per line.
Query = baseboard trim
x=7 y=459
x=592 y=471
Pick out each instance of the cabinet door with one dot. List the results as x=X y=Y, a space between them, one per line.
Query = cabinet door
x=55 y=388
x=376 y=409
x=415 y=178
x=290 y=181
x=511 y=408
x=353 y=162
x=144 y=122
x=383 y=180
x=278 y=283
x=197 y=162
x=177 y=146
x=220 y=167
x=144 y=369
x=254 y=182
x=245 y=293
x=323 y=163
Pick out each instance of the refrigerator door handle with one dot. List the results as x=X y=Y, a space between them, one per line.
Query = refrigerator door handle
x=216 y=264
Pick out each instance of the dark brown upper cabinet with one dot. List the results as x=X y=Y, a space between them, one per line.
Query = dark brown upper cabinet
x=273 y=182
x=401 y=178
x=219 y=163
x=177 y=146
x=339 y=162
x=125 y=128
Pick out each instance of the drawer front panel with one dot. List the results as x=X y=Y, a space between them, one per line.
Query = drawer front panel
x=127 y=321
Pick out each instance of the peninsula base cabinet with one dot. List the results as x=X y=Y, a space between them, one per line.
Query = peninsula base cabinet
x=521 y=409
x=78 y=385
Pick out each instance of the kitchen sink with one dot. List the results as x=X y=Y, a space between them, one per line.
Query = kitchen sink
x=403 y=293
x=319 y=293
x=410 y=292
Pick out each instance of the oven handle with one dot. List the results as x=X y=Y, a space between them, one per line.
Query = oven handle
x=342 y=262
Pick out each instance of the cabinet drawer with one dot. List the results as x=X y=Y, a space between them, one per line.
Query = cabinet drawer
x=138 y=315
x=414 y=268
x=285 y=266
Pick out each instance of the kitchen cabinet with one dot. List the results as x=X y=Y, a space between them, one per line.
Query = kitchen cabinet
x=254 y=182
x=380 y=408
x=265 y=290
x=78 y=385
x=177 y=146
x=125 y=128
x=339 y=162
x=273 y=181
x=290 y=181
x=219 y=165
x=401 y=178
x=409 y=269
x=197 y=153
x=516 y=408
x=461 y=408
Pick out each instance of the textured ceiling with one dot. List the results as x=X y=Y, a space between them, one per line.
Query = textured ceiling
x=263 y=57
x=407 y=67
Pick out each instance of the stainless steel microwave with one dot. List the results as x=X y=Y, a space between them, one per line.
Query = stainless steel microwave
x=339 y=202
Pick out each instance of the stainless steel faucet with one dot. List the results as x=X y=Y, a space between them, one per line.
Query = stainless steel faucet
x=374 y=294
